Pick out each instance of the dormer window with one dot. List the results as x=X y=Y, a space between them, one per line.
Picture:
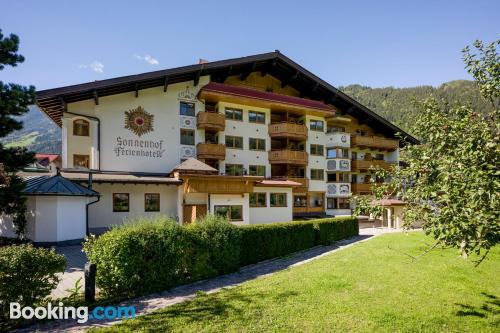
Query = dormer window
x=81 y=127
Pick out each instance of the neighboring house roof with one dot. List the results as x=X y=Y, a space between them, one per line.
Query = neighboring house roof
x=53 y=101
x=49 y=157
x=266 y=96
x=192 y=164
x=56 y=185
x=278 y=183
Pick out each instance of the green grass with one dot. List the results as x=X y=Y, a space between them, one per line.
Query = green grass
x=23 y=141
x=373 y=286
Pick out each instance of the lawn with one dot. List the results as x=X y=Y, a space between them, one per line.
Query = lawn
x=373 y=286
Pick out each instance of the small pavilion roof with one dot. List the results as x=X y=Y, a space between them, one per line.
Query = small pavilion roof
x=194 y=165
x=55 y=185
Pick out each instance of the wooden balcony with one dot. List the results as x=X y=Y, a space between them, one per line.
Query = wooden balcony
x=357 y=188
x=288 y=157
x=306 y=210
x=374 y=142
x=211 y=121
x=211 y=151
x=288 y=130
x=357 y=165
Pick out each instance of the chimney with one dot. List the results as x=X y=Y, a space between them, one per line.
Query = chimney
x=202 y=61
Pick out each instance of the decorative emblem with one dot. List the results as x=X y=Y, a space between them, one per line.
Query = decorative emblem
x=344 y=165
x=187 y=122
x=187 y=94
x=187 y=152
x=139 y=121
x=344 y=189
x=343 y=138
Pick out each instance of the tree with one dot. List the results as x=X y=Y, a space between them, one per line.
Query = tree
x=14 y=101
x=451 y=181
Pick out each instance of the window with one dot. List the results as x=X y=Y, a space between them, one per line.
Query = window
x=234 y=114
x=278 y=199
x=331 y=177
x=331 y=203
x=234 y=169
x=343 y=203
x=335 y=129
x=152 y=202
x=81 y=127
x=337 y=153
x=258 y=200
x=344 y=177
x=187 y=137
x=317 y=174
x=121 y=202
x=81 y=161
x=257 y=144
x=233 y=213
x=257 y=170
x=187 y=109
x=316 y=125
x=256 y=117
x=234 y=142
x=354 y=155
x=211 y=137
x=379 y=157
x=316 y=150
x=299 y=201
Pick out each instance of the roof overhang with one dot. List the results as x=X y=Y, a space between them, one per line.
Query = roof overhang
x=54 y=101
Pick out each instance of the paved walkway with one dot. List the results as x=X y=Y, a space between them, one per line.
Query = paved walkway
x=76 y=260
x=154 y=302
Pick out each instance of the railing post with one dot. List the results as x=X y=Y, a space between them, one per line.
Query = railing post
x=90 y=272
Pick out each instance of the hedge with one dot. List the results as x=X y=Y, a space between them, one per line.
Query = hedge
x=27 y=275
x=152 y=255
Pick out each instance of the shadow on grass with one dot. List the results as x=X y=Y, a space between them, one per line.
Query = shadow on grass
x=491 y=305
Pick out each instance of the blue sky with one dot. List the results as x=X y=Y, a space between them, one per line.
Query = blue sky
x=374 y=43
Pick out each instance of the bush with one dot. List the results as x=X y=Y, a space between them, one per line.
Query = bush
x=27 y=274
x=330 y=230
x=151 y=255
x=266 y=241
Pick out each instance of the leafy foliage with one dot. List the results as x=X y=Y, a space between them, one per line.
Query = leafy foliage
x=451 y=181
x=14 y=101
x=27 y=274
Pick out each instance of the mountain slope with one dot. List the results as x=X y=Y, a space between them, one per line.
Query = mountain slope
x=41 y=135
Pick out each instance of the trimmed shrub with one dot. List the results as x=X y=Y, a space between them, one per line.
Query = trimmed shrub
x=266 y=241
x=150 y=255
x=27 y=274
x=330 y=230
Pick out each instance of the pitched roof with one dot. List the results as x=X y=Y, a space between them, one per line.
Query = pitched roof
x=192 y=164
x=50 y=157
x=55 y=185
x=53 y=101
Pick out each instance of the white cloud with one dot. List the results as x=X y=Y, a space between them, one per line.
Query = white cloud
x=147 y=58
x=96 y=66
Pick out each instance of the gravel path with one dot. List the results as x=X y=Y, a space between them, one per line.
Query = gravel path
x=153 y=302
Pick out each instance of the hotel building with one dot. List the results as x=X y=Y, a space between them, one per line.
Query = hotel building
x=259 y=139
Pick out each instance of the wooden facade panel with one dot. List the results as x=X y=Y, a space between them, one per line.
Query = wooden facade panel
x=211 y=121
x=288 y=157
x=288 y=130
x=375 y=142
x=366 y=165
x=218 y=186
x=215 y=151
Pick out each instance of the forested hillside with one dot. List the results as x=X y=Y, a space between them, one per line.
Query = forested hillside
x=42 y=135
x=396 y=104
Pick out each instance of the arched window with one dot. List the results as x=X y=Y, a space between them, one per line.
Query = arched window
x=81 y=127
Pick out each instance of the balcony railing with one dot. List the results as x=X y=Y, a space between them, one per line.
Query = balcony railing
x=288 y=130
x=288 y=157
x=375 y=142
x=211 y=121
x=211 y=151
x=303 y=210
x=366 y=165
x=361 y=188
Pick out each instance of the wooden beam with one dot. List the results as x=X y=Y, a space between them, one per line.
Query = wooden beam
x=245 y=74
x=165 y=84
x=284 y=83
x=197 y=78
x=96 y=97
x=63 y=104
x=268 y=68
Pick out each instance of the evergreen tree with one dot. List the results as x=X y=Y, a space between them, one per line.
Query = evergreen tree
x=14 y=101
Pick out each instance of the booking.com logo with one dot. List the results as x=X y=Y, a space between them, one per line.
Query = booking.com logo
x=81 y=313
